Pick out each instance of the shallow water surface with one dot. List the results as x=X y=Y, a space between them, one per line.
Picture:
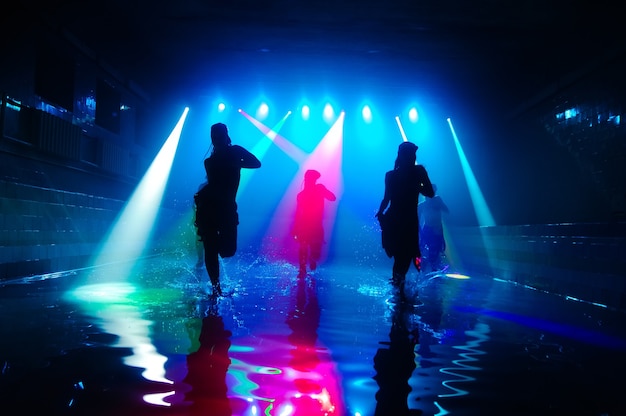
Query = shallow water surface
x=338 y=341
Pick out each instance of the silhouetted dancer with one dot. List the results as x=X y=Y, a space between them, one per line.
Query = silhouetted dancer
x=431 y=234
x=394 y=366
x=216 y=217
x=308 y=227
x=207 y=368
x=198 y=241
x=399 y=223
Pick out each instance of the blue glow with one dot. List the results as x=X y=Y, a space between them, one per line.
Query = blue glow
x=367 y=113
x=306 y=112
x=413 y=116
x=329 y=113
x=13 y=106
x=569 y=113
x=573 y=332
x=90 y=102
x=263 y=111
x=472 y=350
x=221 y=107
x=441 y=411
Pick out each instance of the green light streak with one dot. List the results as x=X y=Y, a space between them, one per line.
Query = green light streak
x=481 y=209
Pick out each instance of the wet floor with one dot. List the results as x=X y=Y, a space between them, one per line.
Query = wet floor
x=336 y=342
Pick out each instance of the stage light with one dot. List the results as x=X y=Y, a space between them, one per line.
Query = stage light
x=272 y=134
x=306 y=112
x=329 y=113
x=325 y=158
x=413 y=115
x=483 y=213
x=221 y=107
x=128 y=239
x=263 y=146
x=263 y=111
x=366 y=112
x=402 y=133
x=109 y=296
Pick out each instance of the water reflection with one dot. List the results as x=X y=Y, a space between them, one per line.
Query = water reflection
x=312 y=395
x=207 y=367
x=156 y=345
x=394 y=362
x=430 y=318
x=468 y=361
x=303 y=320
x=113 y=305
x=239 y=371
x=290 y=374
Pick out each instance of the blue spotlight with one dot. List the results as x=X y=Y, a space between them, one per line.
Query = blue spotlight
x=221 y=107
x=306 y=112
x=413 y=115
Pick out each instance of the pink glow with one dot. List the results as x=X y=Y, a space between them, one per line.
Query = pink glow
x=326 y=158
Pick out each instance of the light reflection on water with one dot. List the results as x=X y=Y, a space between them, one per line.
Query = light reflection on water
x=337 y=342
x=470 y=357
x=112 y=305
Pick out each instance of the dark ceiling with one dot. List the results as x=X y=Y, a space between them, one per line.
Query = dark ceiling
x=507 y=50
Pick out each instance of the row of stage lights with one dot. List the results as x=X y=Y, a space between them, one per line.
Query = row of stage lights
x=328 y=113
